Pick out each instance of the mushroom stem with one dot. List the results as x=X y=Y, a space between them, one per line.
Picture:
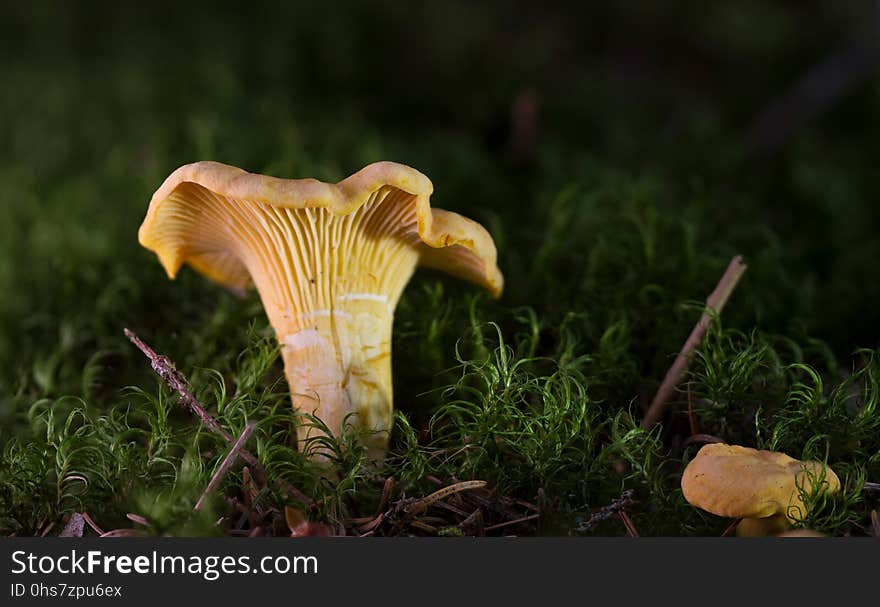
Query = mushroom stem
x=339 y=370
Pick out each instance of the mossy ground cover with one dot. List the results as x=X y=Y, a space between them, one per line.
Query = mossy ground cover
x=613 y=224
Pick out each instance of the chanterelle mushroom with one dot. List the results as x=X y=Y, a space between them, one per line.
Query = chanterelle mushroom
x=761 y=487
x=329 y=261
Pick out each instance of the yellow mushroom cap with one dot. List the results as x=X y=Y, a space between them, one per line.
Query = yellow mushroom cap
x=329 y=261
x=445 y=240
x=735 y=481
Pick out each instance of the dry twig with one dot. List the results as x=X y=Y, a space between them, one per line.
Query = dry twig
x=92 y=524
x=701 y=438
x=474 y=522
x=467 y=507
x=606 y=512
x=731 y=527
x=165 y=368
x=818 y=89
x=137 y=518
x=227 y=463
x=627 y=522
x=692 y=416
x=421 y=505
x=515 y=521
x=714 y=305
x=124 y=533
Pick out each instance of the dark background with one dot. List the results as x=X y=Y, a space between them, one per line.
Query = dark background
x=768 y=108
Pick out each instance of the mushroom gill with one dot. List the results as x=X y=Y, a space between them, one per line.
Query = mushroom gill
x=329 y=262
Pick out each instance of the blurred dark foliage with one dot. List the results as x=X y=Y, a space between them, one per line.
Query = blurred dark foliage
x=624 y=79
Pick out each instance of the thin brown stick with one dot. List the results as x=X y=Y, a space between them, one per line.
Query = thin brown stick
x=701 y=438
x=606 y=512
x=823 y=85
x=165 y=368
x=627 y=522
x=137 y=518
x=386 y=494
x=714 y=304
x=422 y=504
x=527 y=505
x=370 y=526
x=124 y=533
x=692 y=416
x=226 y=464
x=424 y=527
x=92 y=524
x=875 y=523
x=515 y=521
x=731 y=527
x=473 y=521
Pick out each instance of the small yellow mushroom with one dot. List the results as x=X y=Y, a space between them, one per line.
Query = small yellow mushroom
x=761 y=487
x=329 y=261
